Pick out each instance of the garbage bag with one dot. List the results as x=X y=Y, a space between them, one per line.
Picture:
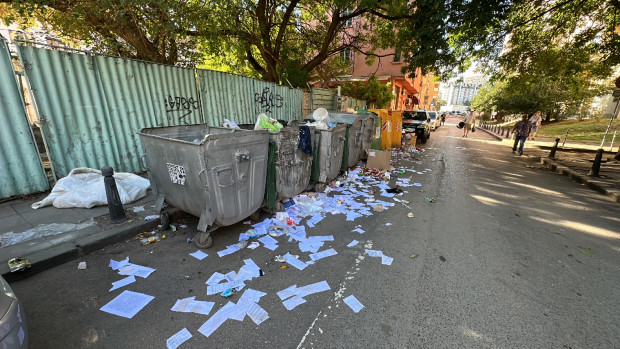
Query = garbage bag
x=263 y=122
x=84 y=188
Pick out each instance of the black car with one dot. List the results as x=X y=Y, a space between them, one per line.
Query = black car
x=417 y=122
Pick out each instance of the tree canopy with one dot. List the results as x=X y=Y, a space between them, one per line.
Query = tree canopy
x=372 y=91
x=292 y=41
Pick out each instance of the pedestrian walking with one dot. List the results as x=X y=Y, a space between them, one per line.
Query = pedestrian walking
x=469 y=121
x=535 y=120
x=443 y=119
x=521 y=130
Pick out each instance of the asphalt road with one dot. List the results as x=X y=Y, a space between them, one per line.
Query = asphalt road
x=510 y=256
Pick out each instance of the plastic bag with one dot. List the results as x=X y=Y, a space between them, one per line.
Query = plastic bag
x=230 y=124
x=83 y=187
x=263 y=122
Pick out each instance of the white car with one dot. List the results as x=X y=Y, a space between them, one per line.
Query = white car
x=13 y=327
x=435 y=120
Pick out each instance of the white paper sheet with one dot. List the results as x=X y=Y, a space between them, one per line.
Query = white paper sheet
x=199 y=255
x=127 y=304
x=353 y=303
x=123 y=282
x=353 y=243
x=178 y=338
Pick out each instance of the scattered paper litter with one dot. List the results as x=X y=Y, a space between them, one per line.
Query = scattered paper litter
x=388 y=224
x=138 y=208
x=353 y=303
x=178 y=338
x=123 y=282
x=124 y=267
x=384 y=259
x=316 y=256
x=253 y=245
x=359 y=230
x=353 y=243
x=297 y=294
x=292 y=260
x=247 y=305
x=151 y=217
x=127 y=304
x=199 y=255
x=191 y=305
x=82 y=265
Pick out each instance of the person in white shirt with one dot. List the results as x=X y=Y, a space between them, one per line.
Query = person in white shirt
x=469 y=121
x=535 y=120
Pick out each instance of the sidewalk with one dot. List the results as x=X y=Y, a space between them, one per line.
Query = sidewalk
x=77 y=231
x=574 y=160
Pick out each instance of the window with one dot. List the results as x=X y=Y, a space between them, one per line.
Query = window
x=345 y=54
x=397 y=56
x=348 y=22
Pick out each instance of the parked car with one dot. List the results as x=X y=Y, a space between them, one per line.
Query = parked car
x=13 y=326
x=417 y=122
x=435 y=120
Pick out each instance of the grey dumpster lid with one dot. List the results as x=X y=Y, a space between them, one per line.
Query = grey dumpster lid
x=344 y=118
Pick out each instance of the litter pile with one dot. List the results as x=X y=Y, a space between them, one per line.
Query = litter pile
x=360 y=192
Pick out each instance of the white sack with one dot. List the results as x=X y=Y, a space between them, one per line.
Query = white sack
x=84 y=188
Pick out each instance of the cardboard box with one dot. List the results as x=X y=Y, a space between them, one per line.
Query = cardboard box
x=379 y=159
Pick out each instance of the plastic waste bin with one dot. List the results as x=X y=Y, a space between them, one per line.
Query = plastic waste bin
x=397 y=128
x=353 y=138
x=217 y=174
x=289 y=165
x=386 y=128
x=327 y=155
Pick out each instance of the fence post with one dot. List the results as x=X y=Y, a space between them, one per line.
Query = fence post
x=553 y=150
x=596 y=165
x=115 y=206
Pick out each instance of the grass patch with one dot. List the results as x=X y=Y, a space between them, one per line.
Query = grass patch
x=586 y=130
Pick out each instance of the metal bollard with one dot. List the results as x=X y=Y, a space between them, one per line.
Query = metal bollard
x=117 y=212
x=553 y=150
x=596 y=166
x=502 y=132
x=508 y=132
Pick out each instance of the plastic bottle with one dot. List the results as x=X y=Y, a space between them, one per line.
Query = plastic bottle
x=150 y=240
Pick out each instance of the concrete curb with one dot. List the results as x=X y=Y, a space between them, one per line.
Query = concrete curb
x=499 y=138
x=589 y=182
x=47 y=258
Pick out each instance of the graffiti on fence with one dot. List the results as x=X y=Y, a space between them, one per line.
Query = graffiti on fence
x=180 y=104
x=268 y=99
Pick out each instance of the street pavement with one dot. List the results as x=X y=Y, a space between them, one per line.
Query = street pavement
x=510 y=256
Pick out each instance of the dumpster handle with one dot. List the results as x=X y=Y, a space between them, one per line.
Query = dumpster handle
x=204 y=183
x=232 y=181
x=142 y=163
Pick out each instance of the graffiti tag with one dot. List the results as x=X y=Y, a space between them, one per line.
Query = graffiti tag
x=268 y=99
x=185 y=105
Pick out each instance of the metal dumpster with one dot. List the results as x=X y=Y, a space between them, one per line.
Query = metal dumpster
x=217 y=174
x=386 y=128
x=289 y=167
x=353 y=141
x=327 y=155
x=371 y=132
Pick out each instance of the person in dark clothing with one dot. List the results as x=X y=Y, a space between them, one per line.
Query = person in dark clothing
x=443 y=118
x=521 y=131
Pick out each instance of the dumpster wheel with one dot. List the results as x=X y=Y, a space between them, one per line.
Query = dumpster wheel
x=203 y=240
x=255 y=217
x=320 y=187
x=164 y=221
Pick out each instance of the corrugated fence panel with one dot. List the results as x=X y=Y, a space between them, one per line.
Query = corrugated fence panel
x=72 y=111
x=241 y=99
x=323 y=98
x=92 y=106
x=140 y=94
x=21 y=171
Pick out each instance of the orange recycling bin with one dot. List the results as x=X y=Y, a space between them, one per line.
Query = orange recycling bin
x=386 y=128
x=397 y=127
